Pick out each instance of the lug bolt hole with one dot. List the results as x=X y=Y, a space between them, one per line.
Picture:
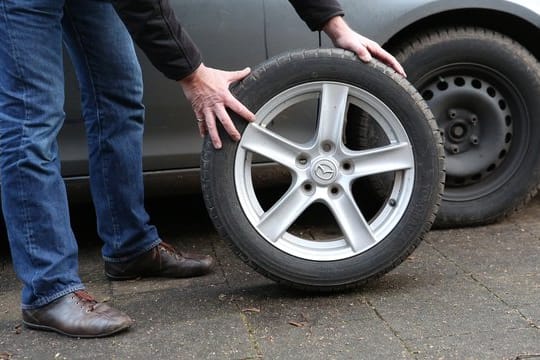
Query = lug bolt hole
x=308 y=187
x=302 y=160
x=327 y=147
x=334 y=190
x=347 y=166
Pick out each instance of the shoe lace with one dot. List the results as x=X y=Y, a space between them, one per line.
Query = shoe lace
x=85 y=299
x=170 y=249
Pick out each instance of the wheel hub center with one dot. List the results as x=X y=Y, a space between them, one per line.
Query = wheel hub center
x=461 y=131
x=458 y=131
x=324 y=171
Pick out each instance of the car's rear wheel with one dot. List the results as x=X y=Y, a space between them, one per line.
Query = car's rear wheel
x=319 y=234
x=484 y=90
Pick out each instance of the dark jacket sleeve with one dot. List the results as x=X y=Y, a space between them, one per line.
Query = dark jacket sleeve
x=154 y=27
x=317 y=12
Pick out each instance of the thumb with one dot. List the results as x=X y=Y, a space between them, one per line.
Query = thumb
x=239 y=75
x=363 y=54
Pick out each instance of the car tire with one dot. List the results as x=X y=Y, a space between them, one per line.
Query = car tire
x=267 y=236
x=483 y=88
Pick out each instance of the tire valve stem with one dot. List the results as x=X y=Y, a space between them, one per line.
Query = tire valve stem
x=392 y=202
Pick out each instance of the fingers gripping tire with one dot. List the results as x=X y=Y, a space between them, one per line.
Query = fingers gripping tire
x=273 y=237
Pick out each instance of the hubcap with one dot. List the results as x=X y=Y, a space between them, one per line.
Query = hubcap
x=323 y=170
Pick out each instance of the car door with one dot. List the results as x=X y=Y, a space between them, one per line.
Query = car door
x=230 y=35
x=378 y=20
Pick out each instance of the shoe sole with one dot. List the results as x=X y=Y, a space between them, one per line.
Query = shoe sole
x=122 y=278
x=156 y=275
x=53 y=329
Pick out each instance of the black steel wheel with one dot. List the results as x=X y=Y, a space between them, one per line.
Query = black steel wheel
x=483 y=89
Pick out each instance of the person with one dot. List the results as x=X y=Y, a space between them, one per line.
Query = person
x=98 y=36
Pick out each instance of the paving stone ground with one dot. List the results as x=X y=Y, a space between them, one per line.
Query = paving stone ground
x=464 y=294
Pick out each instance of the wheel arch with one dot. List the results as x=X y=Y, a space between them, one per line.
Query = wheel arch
x=520 y=27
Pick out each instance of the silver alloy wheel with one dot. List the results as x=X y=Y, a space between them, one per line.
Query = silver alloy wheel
x=323 y=171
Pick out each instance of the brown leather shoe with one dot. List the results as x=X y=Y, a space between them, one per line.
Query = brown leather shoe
x=77 y=315
x=162 y=260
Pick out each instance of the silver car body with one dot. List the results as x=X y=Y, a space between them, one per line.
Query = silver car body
x=237 y=33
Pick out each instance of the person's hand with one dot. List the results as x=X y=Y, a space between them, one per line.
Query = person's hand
x=208 y=91
x=344 y=37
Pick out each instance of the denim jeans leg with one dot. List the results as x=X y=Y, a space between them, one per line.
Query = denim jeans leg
x=34 y=202
x=111 y=86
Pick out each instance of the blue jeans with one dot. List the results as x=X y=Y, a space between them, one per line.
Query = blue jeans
x=34 y=203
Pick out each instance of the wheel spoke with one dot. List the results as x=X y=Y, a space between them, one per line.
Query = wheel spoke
x=283 y=213
x=383 y=159
x=269 y=144
x=354 y=226
x=334 y=99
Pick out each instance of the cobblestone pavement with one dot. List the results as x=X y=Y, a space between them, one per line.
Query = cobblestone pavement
x=464 y=294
